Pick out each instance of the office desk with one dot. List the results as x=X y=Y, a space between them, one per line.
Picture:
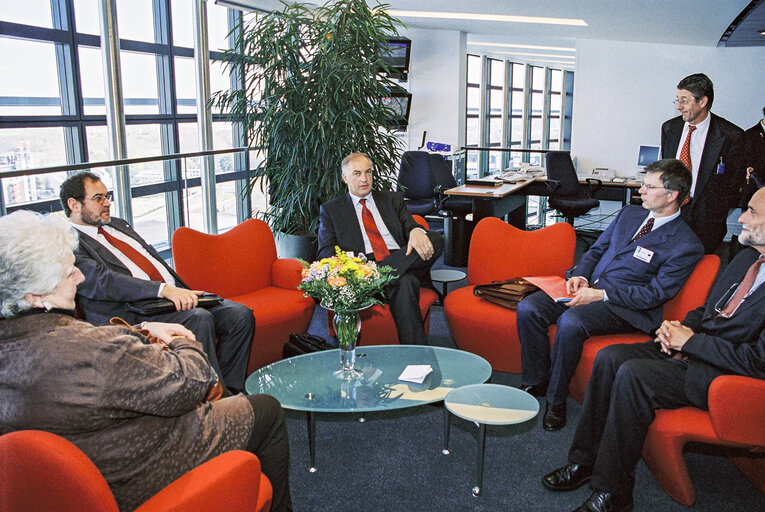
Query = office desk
x=494 y=201
x=508 y=198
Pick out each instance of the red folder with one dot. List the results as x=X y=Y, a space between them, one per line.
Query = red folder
x=553 y=286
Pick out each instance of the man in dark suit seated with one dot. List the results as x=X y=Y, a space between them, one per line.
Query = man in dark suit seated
x=639 y=262
x=120 y=267
x=378 y=224
x=704 y=142
x=726 y=336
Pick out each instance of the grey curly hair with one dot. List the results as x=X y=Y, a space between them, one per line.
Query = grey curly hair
x=32 y=257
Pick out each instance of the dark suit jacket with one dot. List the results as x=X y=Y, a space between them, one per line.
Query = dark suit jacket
x=637 y=289
x=715 y=193
x=750 y=152
x=339 y=225
x=108 y=284
x=734 y=345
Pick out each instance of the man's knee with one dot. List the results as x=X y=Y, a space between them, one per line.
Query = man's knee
x=570 y=325
x=437 y=239
x=267 y=409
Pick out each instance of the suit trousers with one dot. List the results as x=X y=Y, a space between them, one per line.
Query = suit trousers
x=232 y=324
x=268 y=440
x=403 y=294
x=535 y=314
x=628 y=383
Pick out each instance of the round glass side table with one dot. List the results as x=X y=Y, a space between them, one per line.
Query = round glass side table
x=487 y=404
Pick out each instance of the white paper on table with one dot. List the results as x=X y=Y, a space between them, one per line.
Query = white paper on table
x=415 y=373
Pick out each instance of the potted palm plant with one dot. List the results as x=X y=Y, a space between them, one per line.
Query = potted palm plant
x=313 y=80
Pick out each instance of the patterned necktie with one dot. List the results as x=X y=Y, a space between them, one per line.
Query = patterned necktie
x=375 y=238
x=743 y=288
x=136 y=257
x=685 y=154
x=647 y=227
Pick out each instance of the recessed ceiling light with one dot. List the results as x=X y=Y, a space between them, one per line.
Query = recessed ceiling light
x=524 y=46
x=487 y=17
x=567 y=57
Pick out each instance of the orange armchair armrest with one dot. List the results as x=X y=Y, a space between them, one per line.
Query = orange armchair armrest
x=231 y=481
x=285 y=273
x=737 y=409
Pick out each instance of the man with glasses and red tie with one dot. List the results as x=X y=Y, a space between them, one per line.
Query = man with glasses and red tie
x=378 y=224
x=120 y=267
x=704 y=143
x=725 y=336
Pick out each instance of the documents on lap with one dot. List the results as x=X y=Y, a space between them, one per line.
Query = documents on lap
x=554 y=286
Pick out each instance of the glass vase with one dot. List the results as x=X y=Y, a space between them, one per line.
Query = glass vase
x=347 y=326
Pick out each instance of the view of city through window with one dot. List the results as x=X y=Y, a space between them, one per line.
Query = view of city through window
x=53 y=108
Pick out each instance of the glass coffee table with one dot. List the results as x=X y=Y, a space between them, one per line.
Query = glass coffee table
x=307 y=382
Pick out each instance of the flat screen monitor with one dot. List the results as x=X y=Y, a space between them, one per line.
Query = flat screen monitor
x=647 y=155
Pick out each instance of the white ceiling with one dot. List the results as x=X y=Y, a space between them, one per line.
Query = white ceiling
x=684 y=22
x=681 y=22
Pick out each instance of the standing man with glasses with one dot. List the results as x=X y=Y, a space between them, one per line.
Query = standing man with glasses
x=639 y=262
x=725 y=336
x=704 y=143
x=120 y=267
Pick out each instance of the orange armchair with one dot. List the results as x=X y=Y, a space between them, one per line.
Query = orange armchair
x=692 y=295
x=500 y=251
x=241 y=265
x=736 y=418
x=42 y=471
x=377 y=325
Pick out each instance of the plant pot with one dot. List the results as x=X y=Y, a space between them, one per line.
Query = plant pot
x=295 y=246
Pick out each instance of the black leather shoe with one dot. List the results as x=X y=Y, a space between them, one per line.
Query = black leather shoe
x=535 y=390
x=601 y=501
x=555 y=417
x=567 y=478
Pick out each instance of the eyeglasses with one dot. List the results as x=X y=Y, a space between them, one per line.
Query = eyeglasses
x=683 y=101
x=650 y=187
x=100 y=198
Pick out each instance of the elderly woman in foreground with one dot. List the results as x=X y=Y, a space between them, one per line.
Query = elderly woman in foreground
x=136 y=409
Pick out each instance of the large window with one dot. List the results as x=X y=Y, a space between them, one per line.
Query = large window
x=53 y=108
x=513 y=105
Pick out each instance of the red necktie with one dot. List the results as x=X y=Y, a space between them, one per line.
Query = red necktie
x=743 y=288
x=136 y=257
x=685 y=154
x=647 y=227
x=375 y=238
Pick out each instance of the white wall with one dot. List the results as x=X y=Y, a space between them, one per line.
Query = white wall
x=437 y=83
x=623 y=92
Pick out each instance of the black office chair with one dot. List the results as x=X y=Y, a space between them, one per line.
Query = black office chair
x=565 y=192
x=416 y=180
x=453 y=209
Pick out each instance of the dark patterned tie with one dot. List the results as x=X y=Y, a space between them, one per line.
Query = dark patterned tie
x=685 y=154
x=375 y=238
x=136 y=257
x=644 y=230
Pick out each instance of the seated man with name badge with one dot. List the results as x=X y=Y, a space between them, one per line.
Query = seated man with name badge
x=120 y=267
x=639 y=262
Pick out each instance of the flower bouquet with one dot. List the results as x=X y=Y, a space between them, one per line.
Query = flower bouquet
x=345 y=284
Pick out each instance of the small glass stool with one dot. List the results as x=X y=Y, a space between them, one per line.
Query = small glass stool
x=445 y=276
x=487 y=404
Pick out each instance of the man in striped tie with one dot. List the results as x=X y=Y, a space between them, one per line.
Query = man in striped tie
x=725 y=336
x=121 y=267
x=378 y=224
x=704 y=142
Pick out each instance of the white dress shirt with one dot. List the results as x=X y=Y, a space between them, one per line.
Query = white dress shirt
x=698 y=138
x=390 y=242
x=657 y=221
x=135 y=270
